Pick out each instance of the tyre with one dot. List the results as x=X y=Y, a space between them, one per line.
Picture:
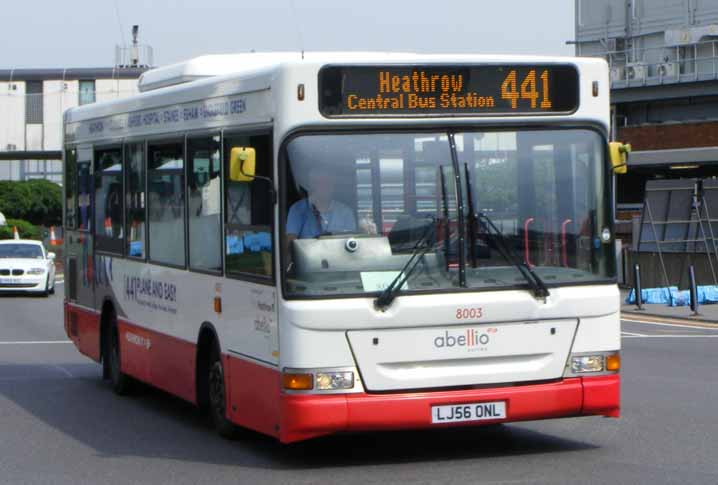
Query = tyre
x=52 y=290
x=120 y=382
x=217 y=398
x=46 y=291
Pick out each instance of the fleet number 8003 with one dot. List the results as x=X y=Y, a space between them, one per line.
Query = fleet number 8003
x=469 y=313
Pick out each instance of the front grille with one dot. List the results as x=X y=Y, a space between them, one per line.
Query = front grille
x=4 y=272
x=18 y=272
x=18 y=285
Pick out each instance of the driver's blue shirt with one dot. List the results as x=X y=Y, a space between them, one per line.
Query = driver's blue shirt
x=305 y=220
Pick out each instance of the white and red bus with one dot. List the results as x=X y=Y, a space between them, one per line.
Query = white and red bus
x=310 y=244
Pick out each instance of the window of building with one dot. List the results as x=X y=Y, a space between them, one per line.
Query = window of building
x=33 y=102
x=204 y=198
x=166 y=204
x=70 y=183
x=87 y=92
x=248 y=212
x=109 y=227
x=135 y=199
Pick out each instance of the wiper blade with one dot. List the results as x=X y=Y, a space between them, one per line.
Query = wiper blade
x=537 y=285
x=420 y=249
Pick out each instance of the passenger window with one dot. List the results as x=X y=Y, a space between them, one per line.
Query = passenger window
x=166 y=204
x=135 y=199
x=248 y=212
x=84 y=189
x=204 y=203
x=109 y=234
x=70 y=188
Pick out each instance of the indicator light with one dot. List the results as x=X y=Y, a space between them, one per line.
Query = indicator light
x=298 y=382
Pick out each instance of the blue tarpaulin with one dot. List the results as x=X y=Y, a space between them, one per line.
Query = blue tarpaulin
x=652 y=295
x=706 y=294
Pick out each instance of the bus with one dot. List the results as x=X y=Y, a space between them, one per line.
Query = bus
x=304 y=244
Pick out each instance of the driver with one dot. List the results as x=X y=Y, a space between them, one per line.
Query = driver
x=319 y=213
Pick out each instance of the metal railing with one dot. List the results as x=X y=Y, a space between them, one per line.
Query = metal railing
x=663 y=65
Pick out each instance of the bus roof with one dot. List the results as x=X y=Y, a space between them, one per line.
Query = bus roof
x=217 y=75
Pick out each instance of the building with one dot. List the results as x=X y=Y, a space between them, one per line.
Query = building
x=32 y=102
x=663 y=57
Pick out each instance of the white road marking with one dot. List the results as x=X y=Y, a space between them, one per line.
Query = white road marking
x=63 y=370
x=35 y=342
x=632 y=334
x=59 y=282
x=685 y=325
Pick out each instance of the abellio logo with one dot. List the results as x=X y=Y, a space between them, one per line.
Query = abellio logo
x=470 y=338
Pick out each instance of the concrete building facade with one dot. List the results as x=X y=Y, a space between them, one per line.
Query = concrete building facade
x=32 y=103
x=663 y=56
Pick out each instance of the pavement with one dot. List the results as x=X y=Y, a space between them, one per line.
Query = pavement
x=707 y=314
x=61 y=424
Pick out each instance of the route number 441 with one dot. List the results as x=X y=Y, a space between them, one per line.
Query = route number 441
x=511 y=90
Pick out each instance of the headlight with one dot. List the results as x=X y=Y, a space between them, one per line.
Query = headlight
x=587 y=363
x=329 y=381
x=600 y=362
x=35 y=271
x=323 y=380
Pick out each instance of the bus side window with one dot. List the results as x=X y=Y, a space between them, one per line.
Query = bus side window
x=135 y=199
x=109 y=227
x=166 y=203
x=248 y=212
x=204 y=201
x=70 y=183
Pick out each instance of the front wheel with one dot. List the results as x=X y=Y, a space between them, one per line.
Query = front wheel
x=121 y=382
x=218 y=398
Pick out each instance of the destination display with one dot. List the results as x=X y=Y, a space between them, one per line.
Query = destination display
x=448 y=90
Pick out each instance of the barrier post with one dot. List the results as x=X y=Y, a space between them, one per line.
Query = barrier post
x=693 y=291
x=637 y=286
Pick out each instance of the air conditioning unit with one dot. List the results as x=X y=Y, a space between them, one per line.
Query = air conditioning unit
x=618 y=73
x=668 y=69
x=636 y=71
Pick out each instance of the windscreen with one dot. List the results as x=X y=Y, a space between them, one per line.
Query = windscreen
x=358 y=206
x=31 y=251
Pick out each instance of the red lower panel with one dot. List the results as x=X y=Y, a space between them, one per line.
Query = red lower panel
x=602 y=395
x=253 y=395
x=83 y=328
x=161 y=360
x=306 y=416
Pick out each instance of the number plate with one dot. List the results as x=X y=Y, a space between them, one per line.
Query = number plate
x=6 y=281
x=457 y=413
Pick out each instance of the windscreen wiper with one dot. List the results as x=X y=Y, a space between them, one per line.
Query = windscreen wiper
x=420 y=249
x=537 y=285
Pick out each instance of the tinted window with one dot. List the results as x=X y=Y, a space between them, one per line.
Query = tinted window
x=70 y=188
x=84 y=189
x=204 y=203
x=165 y=178
x=135 y=199
x=248 y=210
x=109 y=232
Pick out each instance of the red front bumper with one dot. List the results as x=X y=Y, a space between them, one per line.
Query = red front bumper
x=306 y=416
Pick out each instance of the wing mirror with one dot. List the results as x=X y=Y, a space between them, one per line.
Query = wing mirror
x=618 y=153
x=51 y=255
x=242 y=164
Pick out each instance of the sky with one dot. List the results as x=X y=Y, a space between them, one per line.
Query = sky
x=84 y=33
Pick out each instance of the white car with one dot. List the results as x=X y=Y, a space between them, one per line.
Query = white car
x=26 y=266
